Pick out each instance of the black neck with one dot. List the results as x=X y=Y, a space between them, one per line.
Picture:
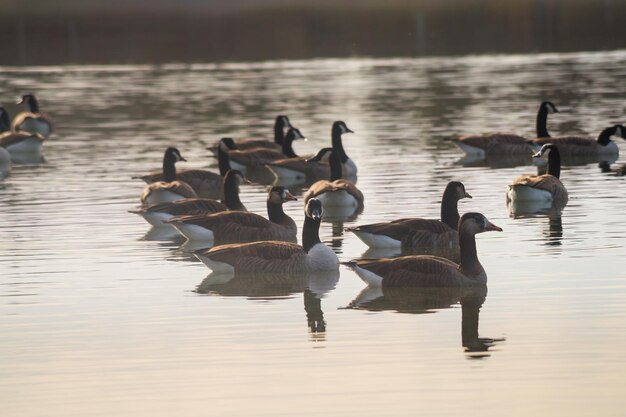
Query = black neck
x=223 y=161
x=5 y=123
x=310 y=233
x=469 y=264
x=554 y=163
x=169 y=168
x=279 y=132
x=336 y=171
x=338 y=145
x=33 y=105
x=231 y=193
x=542 y=122
x=288 y=148
x=314 y=313
x=470 y=312
x=275 y=212
x=449 y=208
x=605 y=136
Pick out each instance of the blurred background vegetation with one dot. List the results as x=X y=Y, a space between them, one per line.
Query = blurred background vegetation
x=36 y=32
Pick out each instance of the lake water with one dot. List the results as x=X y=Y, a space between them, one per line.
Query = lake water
x=102 y=316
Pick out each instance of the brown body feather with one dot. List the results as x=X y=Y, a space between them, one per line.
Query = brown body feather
x=318 y=169
x=545 y=182
x=175 y=187
x=206 y=184
x=188 y=206
x=255 y=157
x=32 y=122
x=573 y=145
x=239 y=226
x=497 y=143
x=267 y=256
x=416 y=233
x=325 y=186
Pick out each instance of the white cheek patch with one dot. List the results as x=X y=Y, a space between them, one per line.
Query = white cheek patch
x=551 y=108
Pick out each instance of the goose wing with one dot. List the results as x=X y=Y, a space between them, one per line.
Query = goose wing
x=545 y=182
x=176 y=187
x=401 y=228
x=414 y=271
x=490 y=141
x=265 y=256
x=11 y=138
x=188 y=206
x=255 y=157
x=316 y=169
x=584 y=141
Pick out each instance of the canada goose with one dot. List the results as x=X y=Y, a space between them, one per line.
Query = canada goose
x=157 y=214
x=169 y=189
x=584 y=145
x=206 y=184
x=547 y=187
x=258 y=157
x=281 y=124
x=299 y=169
x=276 y=257
x=17 y=142
x=431 y=271
x=337 y=191
x=505 y=143
x=240 y=226
x=419 y=233
x=32 y=121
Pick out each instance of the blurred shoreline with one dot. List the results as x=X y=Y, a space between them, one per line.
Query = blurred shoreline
x=140 y=32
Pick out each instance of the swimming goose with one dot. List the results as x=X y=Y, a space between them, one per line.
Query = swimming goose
x=157 y=214
x=505 y=143
x=240 y=226
x=299 y=169
x=32 y=121
x=431 y=271
x=337 y=191
x=585 y=145
x=547 y=187
x=169 y=189
x=258 y=157
x=281 y=125
x=206 y=184
x=17 y=142
x=419 y=233
x=276 y=257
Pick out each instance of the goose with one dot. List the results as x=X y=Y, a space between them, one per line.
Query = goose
x=337 y=191
x=157 y=214
x=584 y=145
x=546 y=188
x=17 y=142
x=416 y=232
x=281 y=125
x=240 y=226
x=32 y=121
x=206 y=184
x=258 y=157
x=299 y=169
x=276 y=257
x=169 y=189
x=431 y=271
x=505 y=143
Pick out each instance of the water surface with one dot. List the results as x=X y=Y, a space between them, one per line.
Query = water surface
x=103 y=316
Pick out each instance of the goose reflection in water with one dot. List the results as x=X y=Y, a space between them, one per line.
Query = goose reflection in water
x=431 y=300
x=313 y=286
x=553 y=234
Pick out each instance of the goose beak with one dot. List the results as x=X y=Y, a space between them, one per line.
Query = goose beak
x=467 y=195
x=183 y=159
x=537 y=155
x=348 y=130
x=492 y=227
x=290 y=197
x=19 y=100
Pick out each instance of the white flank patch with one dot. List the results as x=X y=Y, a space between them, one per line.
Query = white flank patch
x=162 y=196
x=470 y=150
x=339 y=198
x=377 y=241
x=525 y=193
x=322 y=258
x=156 y=218
x=369 y=277
x=217 y=267
x=194 y=232
x=30 y=145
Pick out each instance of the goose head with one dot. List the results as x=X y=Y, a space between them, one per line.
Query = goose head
x=545 y=151
x=280 y=195
x=458 y=189
x=340 y=128
x=319 y=155
x=313 y=209
x=474 y=223
x=549 y=107
x=294 y=133
x=283 y=122
x=173 y=154
x=227 y=144
x=31 y=101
